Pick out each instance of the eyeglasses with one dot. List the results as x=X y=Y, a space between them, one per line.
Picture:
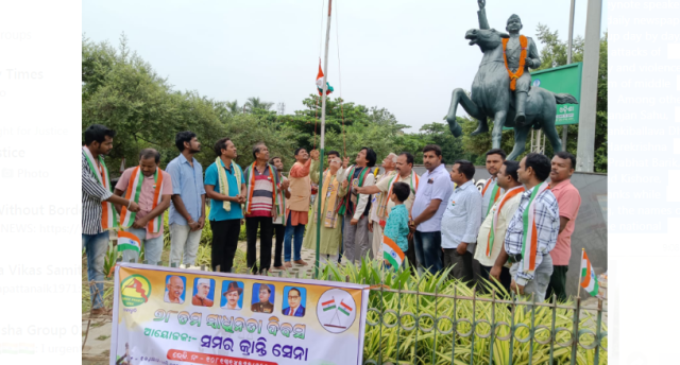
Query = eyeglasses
x=291 y=297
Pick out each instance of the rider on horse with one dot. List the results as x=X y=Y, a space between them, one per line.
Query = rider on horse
x=520 y=55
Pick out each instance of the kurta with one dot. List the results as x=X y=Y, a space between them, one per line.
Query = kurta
x=329 y=244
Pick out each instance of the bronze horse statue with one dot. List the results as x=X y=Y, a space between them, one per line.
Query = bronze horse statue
x=491 y=97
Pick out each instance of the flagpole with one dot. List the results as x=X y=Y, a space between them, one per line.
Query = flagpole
x=321 y=144
x=580 y=272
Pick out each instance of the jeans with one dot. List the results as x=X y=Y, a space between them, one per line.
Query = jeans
x=297 y=231
x=96 y=246
x=224 y=243
x=153 y=248
x=266 y=224
x=428 y=247
x=279 y=232
x=539 y=284
x=183 y=242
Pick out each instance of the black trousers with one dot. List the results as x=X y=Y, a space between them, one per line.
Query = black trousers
x=224 y=243
x=462 y=265
x=506 y=278
x=411 y=256
x=266 y=226
x=279 y=232
x=558 y=283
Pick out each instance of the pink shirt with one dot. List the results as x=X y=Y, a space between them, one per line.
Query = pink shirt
x=569 y=201
x=146 y=195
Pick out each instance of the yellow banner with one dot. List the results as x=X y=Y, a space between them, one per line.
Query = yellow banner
x=171 y=316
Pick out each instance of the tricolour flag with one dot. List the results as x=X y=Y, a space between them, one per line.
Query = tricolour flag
x=128 y=241
x=319 y=82
x=344 y=308
x=328 y=305
x=391 y=252
x=588 y=277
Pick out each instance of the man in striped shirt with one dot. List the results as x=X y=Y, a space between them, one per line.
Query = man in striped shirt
x=545 y=217
x=97 y=197
x=260 y=208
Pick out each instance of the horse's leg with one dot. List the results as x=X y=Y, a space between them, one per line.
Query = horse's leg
x=551 y=133
x=521 y=134
x=497 y=132
x=459 y=96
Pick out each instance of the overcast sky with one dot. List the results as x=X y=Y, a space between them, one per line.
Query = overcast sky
x=406 y=56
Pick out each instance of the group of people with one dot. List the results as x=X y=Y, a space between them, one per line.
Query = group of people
x=517 y=229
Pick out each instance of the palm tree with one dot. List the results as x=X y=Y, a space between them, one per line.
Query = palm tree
x=233 y=107
x=255 y=103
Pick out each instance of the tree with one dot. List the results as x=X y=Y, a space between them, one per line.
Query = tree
x=255 y=103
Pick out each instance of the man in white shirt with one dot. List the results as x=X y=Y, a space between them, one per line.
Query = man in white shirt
x=460 y=222
x=489 y=247
x=491 y=190
x=379 y=200
x=435 y=187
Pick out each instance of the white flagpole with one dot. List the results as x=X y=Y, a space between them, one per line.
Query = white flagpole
x=323 y=134
x=580 y=271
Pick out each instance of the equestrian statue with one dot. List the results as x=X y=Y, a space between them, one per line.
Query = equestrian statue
x=502 y=87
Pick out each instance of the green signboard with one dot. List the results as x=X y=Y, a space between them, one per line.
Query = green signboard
x=563 y=79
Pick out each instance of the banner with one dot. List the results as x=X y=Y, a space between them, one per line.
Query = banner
x=171 y=316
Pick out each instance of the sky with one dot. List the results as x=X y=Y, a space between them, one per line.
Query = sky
x=405 y=56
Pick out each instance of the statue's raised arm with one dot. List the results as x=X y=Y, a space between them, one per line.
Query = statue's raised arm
x=481 y=15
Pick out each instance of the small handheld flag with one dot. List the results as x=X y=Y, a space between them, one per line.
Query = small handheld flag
x=319 y=82
x=128 y=241
x=588 y=277
x=392 y=253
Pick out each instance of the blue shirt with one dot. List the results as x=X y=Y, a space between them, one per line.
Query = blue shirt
x=187 y=181
x=396 y=227
x=433 y=185
x=217 y=212
x=462 y=217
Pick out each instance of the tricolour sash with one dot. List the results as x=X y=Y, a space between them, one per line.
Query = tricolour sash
x=530 y=236
x=350 y=201
x=495 y=193
x=494 y=221
x=109 y=215
x=133 y=191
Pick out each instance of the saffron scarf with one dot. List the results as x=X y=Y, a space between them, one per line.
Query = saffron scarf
x=328 y=201
x=530 y=236
x=495 y=193
x=224 y=182
x=522 y=59
x=383 y=213
x=494 y=221
x=109 y=215
x=133 y=191
x=250 y=181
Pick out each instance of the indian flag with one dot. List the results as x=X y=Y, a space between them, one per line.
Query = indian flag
x=128 y=241
x=344 y=308
x=588 y=278
x=328 y=305
x=391 y=252
x=319 y=82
